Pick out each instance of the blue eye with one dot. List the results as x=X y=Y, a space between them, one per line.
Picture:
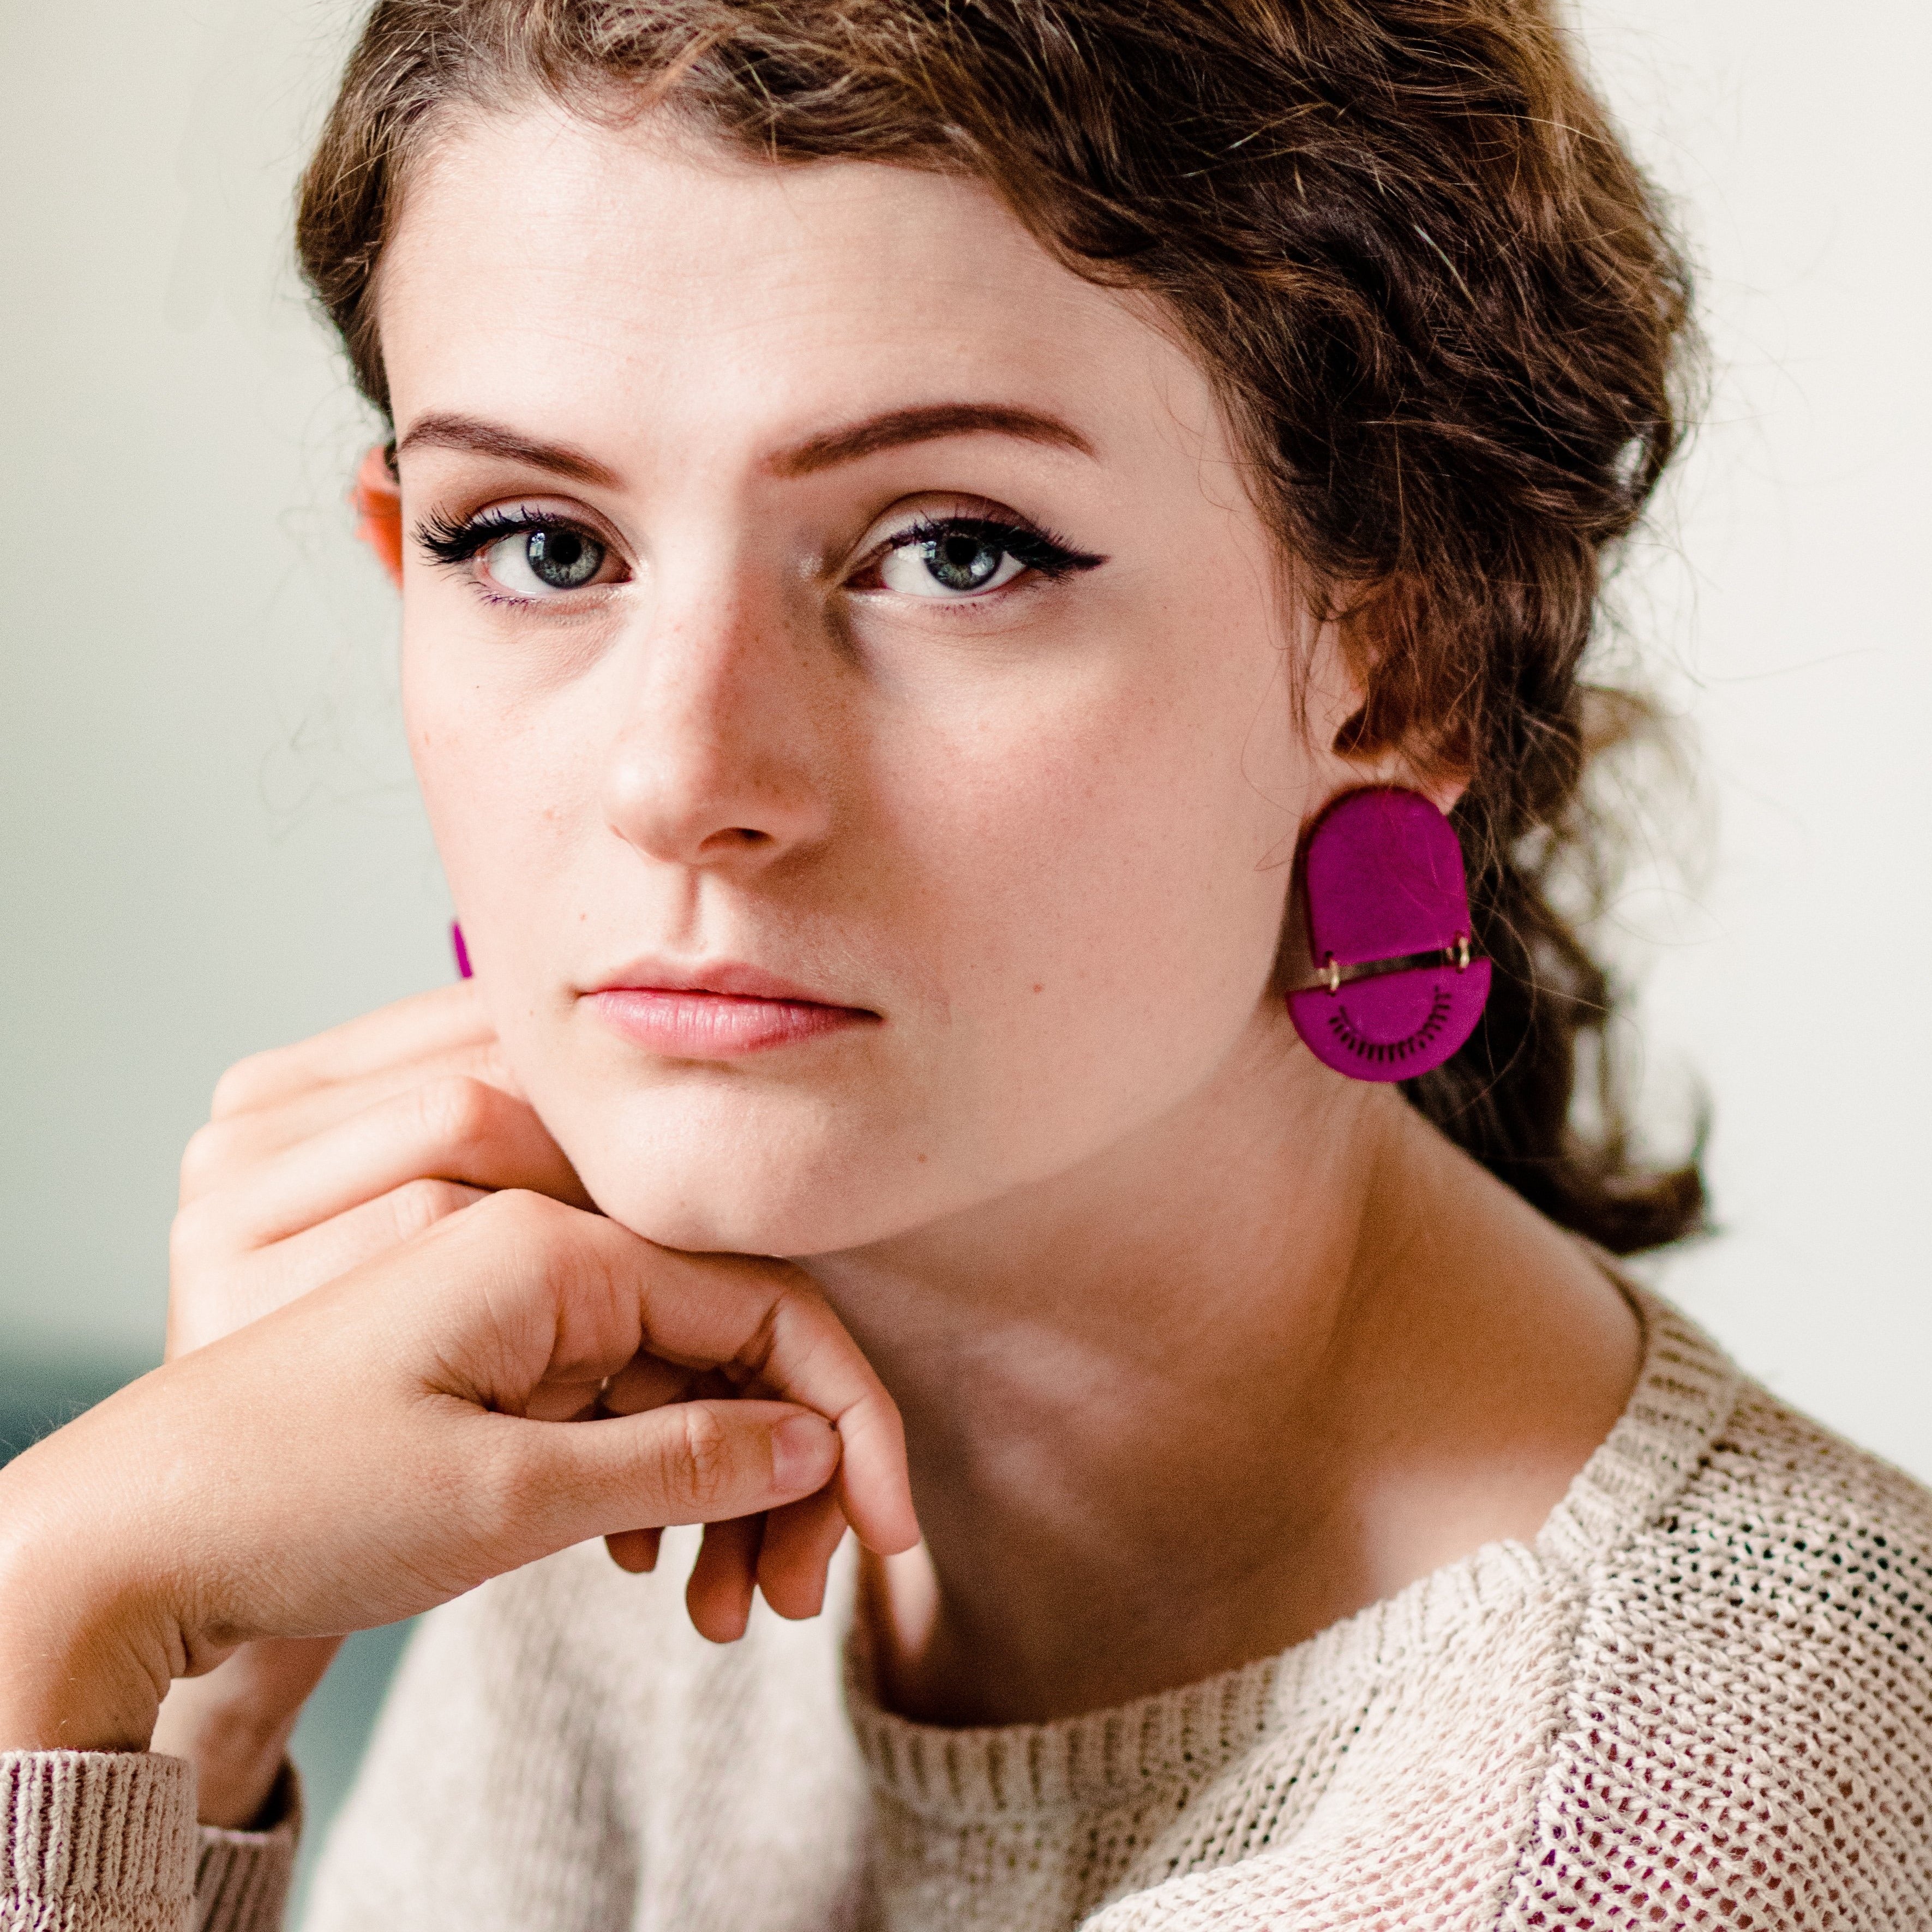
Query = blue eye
x=956 y=563
x=964 y=556
x=551 y=557
x=528 y=558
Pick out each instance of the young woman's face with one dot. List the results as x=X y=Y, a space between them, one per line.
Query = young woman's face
x=851 y=687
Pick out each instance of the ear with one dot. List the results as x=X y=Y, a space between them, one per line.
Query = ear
x=1339 y=729
x=377 y=500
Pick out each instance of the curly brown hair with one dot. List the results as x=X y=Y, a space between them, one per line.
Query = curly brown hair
x=1439 y=300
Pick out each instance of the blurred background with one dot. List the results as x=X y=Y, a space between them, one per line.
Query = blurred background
x=209 y=843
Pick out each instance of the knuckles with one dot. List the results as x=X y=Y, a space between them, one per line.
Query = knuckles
x=419 y=1205
x=532 y=1237
x=518 y=1214
x=698 y=1467
x=193 y=1237
x=463 y=1114
x=243 y=1085
x=208 y=1158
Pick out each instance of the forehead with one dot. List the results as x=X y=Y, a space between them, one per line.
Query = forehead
x=550 y=266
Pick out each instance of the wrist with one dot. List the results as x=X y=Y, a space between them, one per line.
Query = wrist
x=80 y=1669
x=235 y=1774
x=233 y=1725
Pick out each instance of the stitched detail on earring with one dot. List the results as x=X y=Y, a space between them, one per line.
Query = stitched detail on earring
x=1382 y=1052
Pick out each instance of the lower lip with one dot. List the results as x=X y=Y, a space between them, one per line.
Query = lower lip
x=719 y=1026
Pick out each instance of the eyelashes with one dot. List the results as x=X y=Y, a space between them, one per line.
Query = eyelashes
x=451 y=542
x=528 y=557
x=1026 y=544
x=949 y=559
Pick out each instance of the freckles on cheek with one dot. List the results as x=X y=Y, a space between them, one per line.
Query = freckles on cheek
x=1131 y=861
x=486 y=788
x=1051 y=845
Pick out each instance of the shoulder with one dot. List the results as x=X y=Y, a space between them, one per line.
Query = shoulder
x=1749 y=1723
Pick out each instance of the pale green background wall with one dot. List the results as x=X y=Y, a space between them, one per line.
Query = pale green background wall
x=209 y=841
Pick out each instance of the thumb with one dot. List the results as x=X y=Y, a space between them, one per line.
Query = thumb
x=689 y=1462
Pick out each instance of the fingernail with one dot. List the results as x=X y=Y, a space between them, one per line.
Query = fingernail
x=804 y=1451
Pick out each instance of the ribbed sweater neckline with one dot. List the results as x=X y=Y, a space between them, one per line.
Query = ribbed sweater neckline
x=1684 y=1394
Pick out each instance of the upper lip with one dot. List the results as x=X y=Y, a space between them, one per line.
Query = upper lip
x=727 y=977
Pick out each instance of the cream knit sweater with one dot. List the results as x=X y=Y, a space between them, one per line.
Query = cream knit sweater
x=1703 y=1698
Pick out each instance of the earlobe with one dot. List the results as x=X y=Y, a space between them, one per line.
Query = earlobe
x=1437 y=767
x=1441 y=775
x=1372 y=741
x=377 y=500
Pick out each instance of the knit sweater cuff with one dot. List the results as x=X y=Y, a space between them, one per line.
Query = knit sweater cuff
x=243 y=1880
x=96 y=1841
x=105 y=1841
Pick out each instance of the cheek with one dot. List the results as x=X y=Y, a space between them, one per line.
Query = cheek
x=503 y=797
x=1120 y=871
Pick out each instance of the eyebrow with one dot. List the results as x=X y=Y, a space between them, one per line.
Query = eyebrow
x=925 y=424
x=484 y=438
x=895 y=429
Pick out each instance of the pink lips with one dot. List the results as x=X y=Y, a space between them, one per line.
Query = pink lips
x=717 y=1012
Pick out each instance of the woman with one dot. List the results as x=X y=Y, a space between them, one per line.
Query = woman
x=923 y=529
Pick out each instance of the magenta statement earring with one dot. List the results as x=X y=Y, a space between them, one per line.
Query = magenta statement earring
x=1396 y=988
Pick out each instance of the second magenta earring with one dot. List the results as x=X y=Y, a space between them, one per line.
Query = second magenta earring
x=1397 y=988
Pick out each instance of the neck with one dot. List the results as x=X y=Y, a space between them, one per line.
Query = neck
x=1260 y=1363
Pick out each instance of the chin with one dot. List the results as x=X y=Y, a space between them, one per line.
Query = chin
x=708 y=1186
x=700 y=1217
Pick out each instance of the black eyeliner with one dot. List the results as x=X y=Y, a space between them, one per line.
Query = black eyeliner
x=1037 y=549
x=451 y=542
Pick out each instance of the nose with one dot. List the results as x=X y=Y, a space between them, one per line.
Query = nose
x=719 y=761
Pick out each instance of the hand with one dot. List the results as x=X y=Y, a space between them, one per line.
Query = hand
x=319 y=1157
x=398 y=1437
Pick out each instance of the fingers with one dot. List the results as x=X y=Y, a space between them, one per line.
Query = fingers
x=718 y=1595
x=646 y=1382
x=227 y=1297
x=322 y=1156
x=811 y=1358
x=435 y=1022
x=448 y=1128
x=228 y=1148
x=346 y=1241
x=797 y=1551
x=401 y=1461
x=635 y=1550
x=578 y=1297
x=563 y=1482
x=786 y=1553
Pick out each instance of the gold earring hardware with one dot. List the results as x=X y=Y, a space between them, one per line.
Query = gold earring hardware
x=1331 y=976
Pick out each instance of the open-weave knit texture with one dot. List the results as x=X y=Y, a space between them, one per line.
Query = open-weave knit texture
x=1702 y=1699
